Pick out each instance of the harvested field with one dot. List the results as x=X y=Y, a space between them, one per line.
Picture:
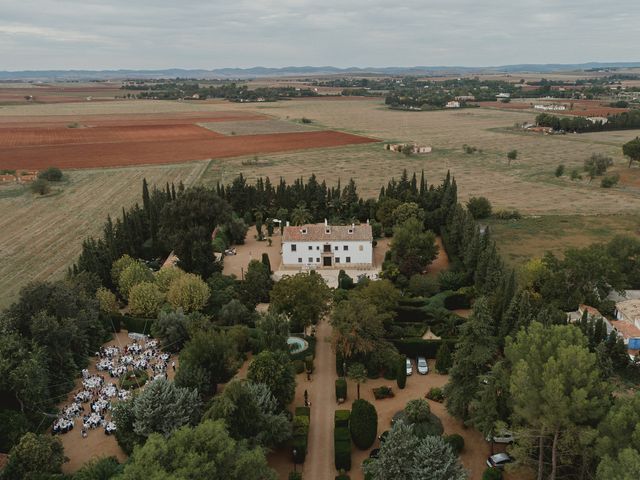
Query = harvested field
x=242 y=127
x=40 y=237
x=23 y=94
x=101 y=154
x=582 y=108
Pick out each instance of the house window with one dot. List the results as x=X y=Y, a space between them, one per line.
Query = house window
x=299 y=259
x=336 y=247
x=337 y=259
x=318 y=260
x=304 y=231
x=293 y=247
x=345 y=248
x=360 y=247
x=310 y=247
x=348 y=259
x=317 y=248
x=310 y=259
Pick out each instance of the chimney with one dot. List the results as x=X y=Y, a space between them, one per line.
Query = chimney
x=326 y=224
x=287 y=223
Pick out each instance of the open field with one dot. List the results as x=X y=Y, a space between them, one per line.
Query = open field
x=582 y=108
x=29 y=93
x=41 y=237
x=36 y=142
x=523 y=239
x=528 y=184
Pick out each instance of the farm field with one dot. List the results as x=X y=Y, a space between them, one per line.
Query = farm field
x=29 y=93
x=139 y=140
x=523 y=239
x=583 y=108
x=41 y=237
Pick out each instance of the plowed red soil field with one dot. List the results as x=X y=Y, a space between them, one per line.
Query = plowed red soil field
x=24 y=137
x=141 y=152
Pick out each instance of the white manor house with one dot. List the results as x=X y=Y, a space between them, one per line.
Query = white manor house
x=322 y=245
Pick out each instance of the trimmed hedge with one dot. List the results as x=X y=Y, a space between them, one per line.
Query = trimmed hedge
x=298 y=366
x=343 y=455
x=415 y=347
x=341 y=418
x=340 y=434
x=363 y=424
x=341 y=389
x=137 y=324
x=457 y=301
x=299 y=445
x=343 y=477
x=303 y=412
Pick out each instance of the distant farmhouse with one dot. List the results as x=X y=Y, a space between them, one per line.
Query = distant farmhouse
x=551 y=107
x=321 y=245
x=408 y=148
x=452 y=104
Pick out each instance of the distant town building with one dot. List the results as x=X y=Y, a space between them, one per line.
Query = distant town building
x=322 y=245
x=452 y=104
x=415 y=148
x=551 y=107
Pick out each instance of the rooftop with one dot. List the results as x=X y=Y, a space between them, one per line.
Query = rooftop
x=626 y=329
x=630 y=309
x=320 y=232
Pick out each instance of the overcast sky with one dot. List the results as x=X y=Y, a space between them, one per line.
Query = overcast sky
x=145 y=34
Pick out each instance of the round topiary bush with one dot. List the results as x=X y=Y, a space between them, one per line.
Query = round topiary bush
x=456 y=442
x=363 y=424
x=492 y=474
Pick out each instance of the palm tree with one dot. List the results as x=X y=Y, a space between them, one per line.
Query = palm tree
x=358 y=374
x=300 y=215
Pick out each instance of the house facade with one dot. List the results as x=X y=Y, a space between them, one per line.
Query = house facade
x=322 y=245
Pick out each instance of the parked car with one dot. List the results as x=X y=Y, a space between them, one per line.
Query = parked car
x=383 y=436
x=375 y=453
x=409 y=367
x=499 y=460
x=504 y=436
x=423 y=366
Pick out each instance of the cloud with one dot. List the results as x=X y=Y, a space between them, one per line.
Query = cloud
x=242 y=33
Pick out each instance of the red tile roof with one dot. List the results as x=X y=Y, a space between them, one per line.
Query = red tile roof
x=628 y=330
x=318 y=233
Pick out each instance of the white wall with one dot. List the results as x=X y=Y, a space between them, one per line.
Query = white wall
x=359 y=252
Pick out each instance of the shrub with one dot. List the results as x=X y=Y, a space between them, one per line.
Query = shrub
x=456 y=442
x=492 y=474
x=342 y=455
x=423 y=285
x=343 y=477
x=401 y=373
x=444 y=359
x=306 y=120
x=298 y=365
x=363 y=424
x=452 y=280
x=417 y=410
x=51 y=174
x=479 y=207
x=436 y=394
x=40 y=186
x=508 y=215
x=341 y=389
x=133 y=379
x=303 y=412
x=559 y=170
x=308 y=363
x=300 y=425
x=340 y=434
x=295 y=476
x=418 y=347
x=383 y=392
x=597 y=164
x=575 y=175
x=609 y=181
x=299 y=446
x=341 y=418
